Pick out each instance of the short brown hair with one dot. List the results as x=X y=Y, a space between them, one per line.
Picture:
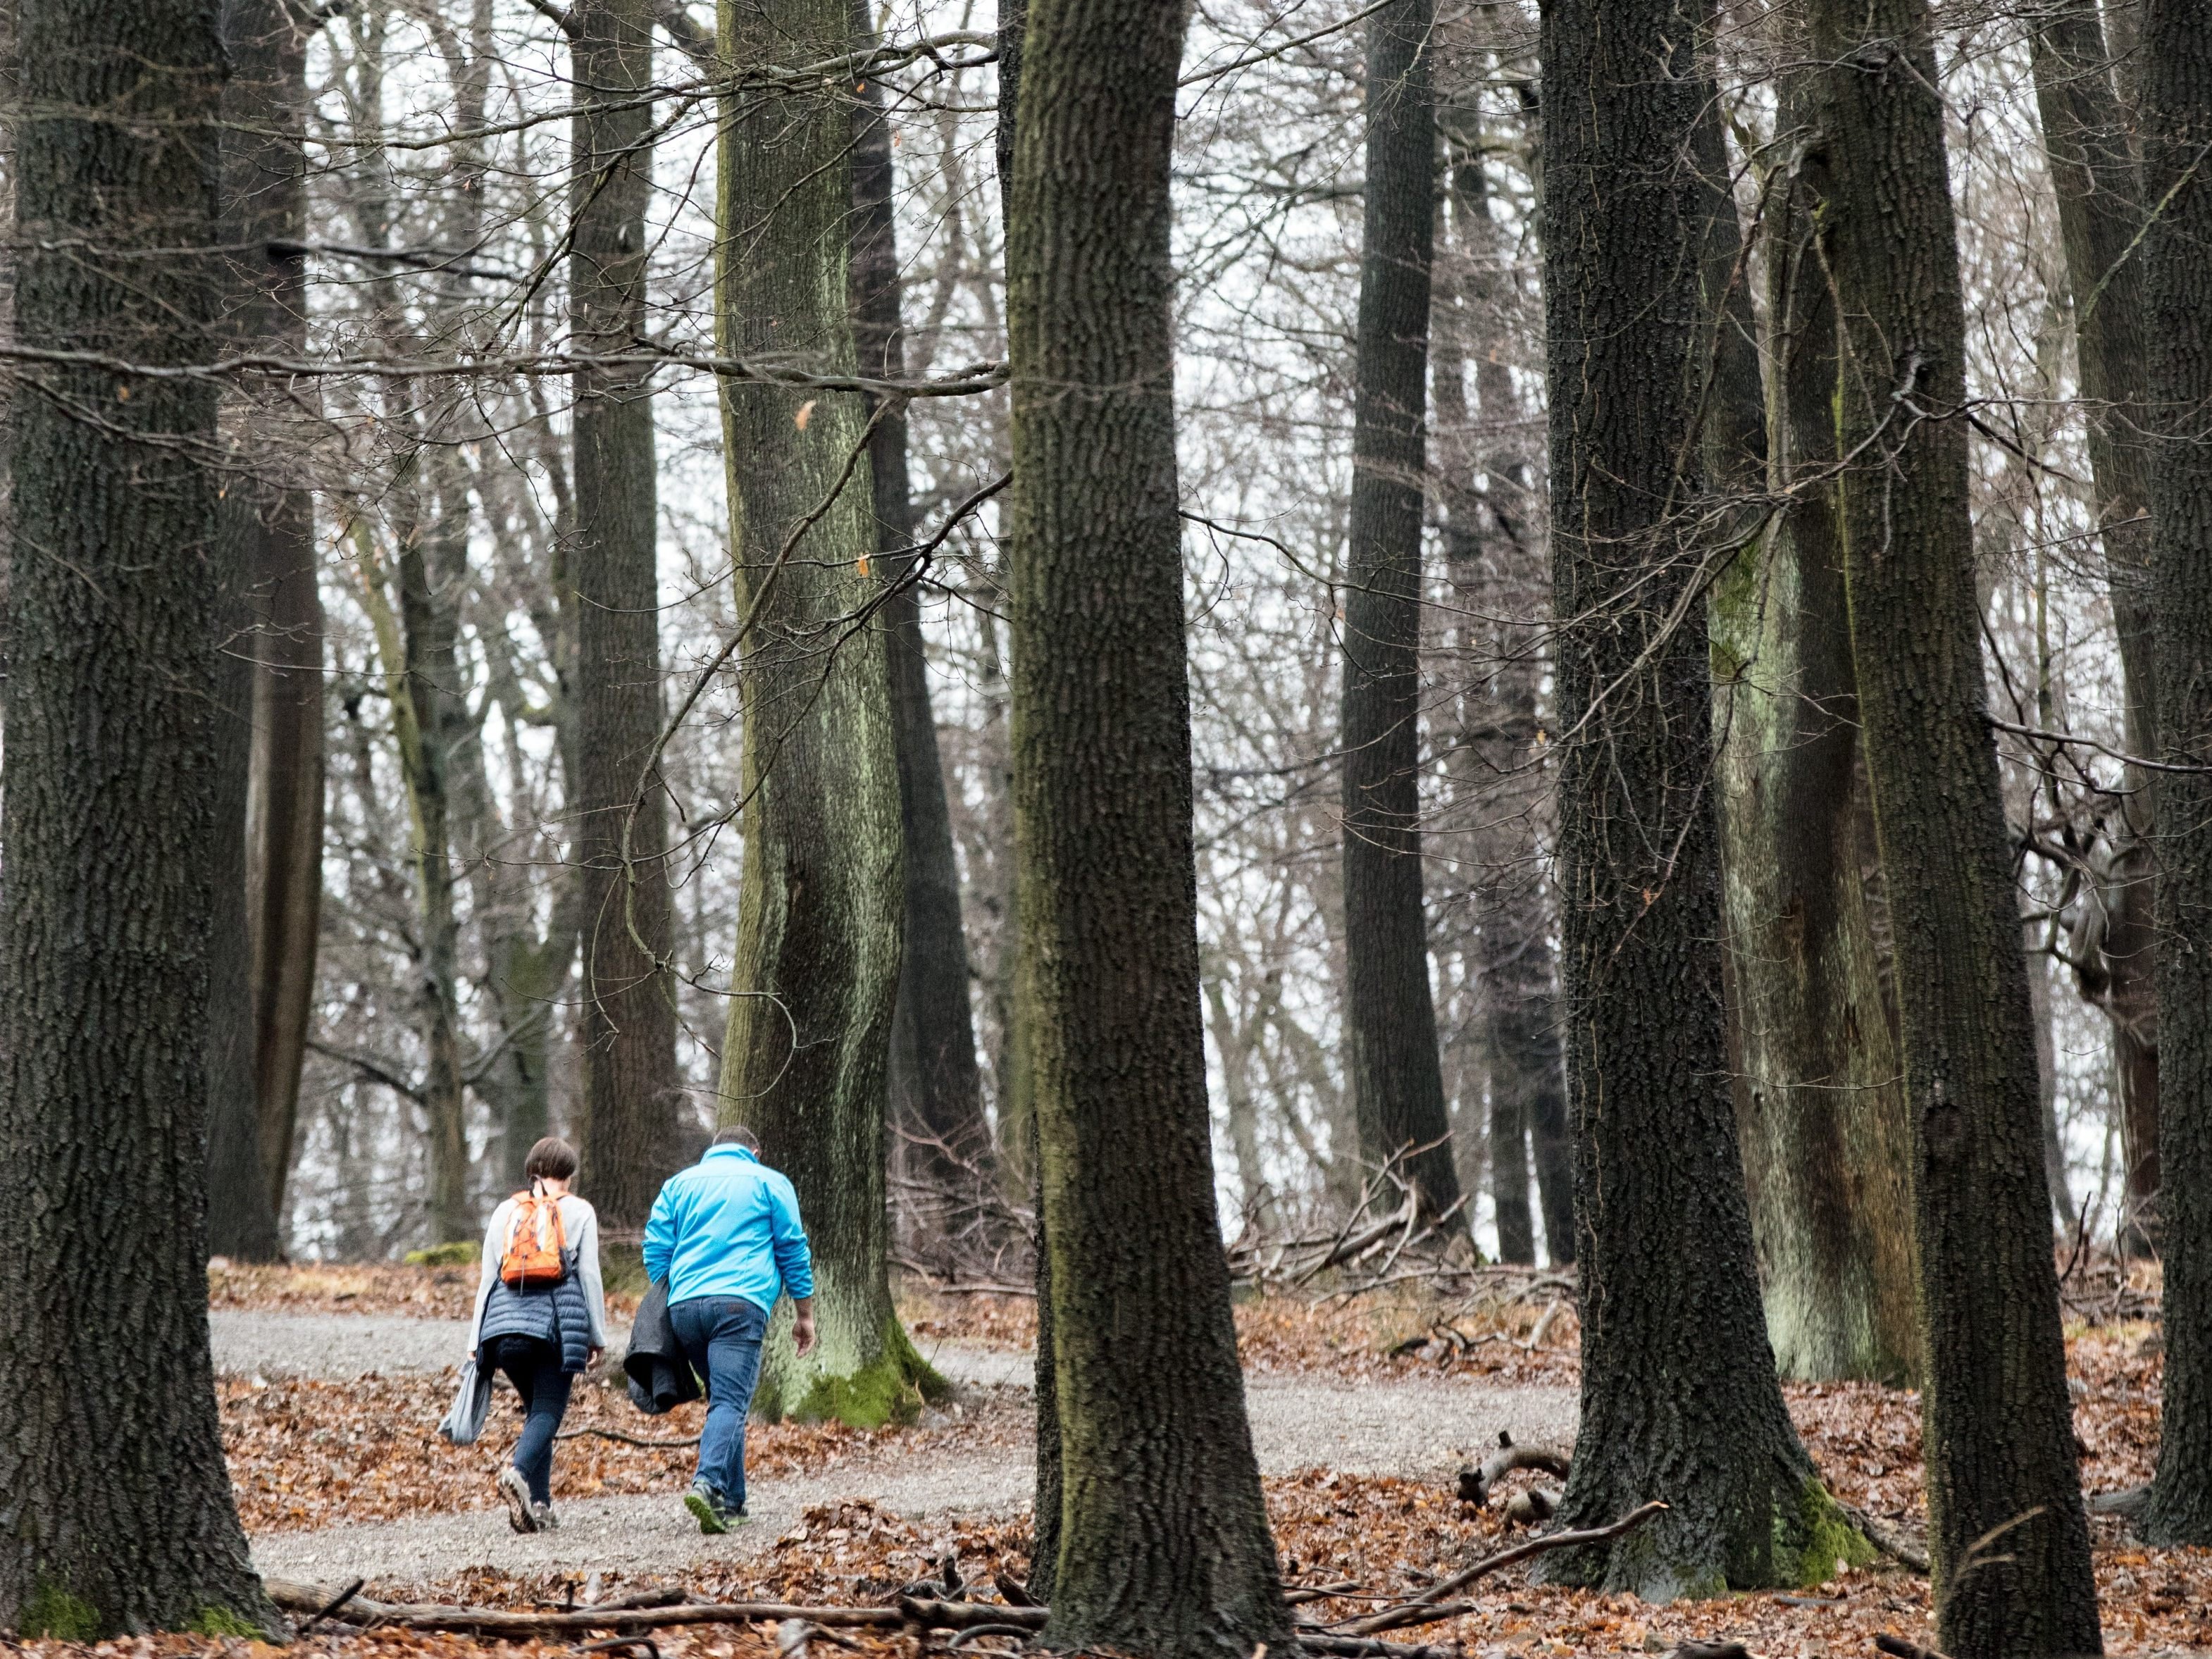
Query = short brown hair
x=550 y=1159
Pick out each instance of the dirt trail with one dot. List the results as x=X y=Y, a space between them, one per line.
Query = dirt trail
x=1410 y=1426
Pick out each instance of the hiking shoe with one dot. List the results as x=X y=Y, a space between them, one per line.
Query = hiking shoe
x=544 y=1516
x=706 y=1506
x=520 y=1514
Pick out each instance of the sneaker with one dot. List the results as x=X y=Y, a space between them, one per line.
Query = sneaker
x=544 y=1516
x=520 y=1514
x=706 y=1506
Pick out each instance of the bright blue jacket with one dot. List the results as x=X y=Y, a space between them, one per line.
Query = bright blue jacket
x=728 y=1226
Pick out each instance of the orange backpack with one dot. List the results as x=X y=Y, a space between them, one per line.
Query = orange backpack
x=534 y=1242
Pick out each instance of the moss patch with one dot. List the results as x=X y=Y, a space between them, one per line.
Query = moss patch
x=1806 y=1555
x=53 y=1612
x=222 y=1621
x=893 y=1389
x=461 y=1252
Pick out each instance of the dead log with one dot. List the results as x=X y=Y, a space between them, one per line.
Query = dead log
x=1897 y=1648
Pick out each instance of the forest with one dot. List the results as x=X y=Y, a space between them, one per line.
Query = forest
x=1440 y=769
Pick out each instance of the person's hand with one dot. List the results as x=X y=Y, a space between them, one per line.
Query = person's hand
x=802 y=1332
x=591 y=1358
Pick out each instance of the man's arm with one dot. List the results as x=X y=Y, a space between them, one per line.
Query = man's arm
x=794 y=1262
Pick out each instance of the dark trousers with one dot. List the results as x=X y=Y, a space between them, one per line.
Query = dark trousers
x=721 y=1338
x=534 y=1367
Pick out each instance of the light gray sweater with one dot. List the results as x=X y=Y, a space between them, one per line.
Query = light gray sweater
x=579 y=1229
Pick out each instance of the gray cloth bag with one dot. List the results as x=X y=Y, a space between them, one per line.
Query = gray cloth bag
x=471 y=1405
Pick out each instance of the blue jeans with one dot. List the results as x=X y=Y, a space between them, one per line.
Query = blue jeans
x=534 y=1368
x=721 y=1338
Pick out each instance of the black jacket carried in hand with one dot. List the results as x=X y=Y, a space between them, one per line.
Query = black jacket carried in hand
x=659 y=1375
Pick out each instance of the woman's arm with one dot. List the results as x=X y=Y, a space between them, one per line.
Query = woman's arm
x=588 y=1264
x=487 y=1270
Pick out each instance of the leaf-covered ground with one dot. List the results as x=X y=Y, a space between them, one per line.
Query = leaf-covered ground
x=306 y=1453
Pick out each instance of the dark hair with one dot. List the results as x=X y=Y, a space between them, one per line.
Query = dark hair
x=736 y=1134
x=550 y=1159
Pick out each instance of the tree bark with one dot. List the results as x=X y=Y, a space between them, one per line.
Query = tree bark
x=1390 y=1012
x=820 y=899
x=632 y=1093
x=2177 y=123
x=1497 y=570
x=1998 y=1422
x=269 y=769
x=119 y=1517
x=1826 y=1146
x=1163 y=1546
x=1679 y=1394
x=1018 y=1139
x=2094 y=177
x=938 y=1114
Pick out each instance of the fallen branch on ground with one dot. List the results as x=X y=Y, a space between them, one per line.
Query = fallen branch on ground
x=627 y=1439
x=972 y=1618
x=1419 y=1610
x=502 y=1621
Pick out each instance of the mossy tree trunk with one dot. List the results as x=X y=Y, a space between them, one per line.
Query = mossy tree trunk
x=1998 y=1421
x=821 y=896
x=631 y=1087
x=1827 y=1147
x=1163 y=1546
x=2177 y=252
x=1391 y=1060
x=1679 y=1396
x=2094 y=174
x=118 y=1516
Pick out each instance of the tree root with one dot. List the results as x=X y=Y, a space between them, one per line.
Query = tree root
x=1423 y=1607
x=1886 y=1540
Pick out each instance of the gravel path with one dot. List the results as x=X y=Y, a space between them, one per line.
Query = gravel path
x=1412 y=1426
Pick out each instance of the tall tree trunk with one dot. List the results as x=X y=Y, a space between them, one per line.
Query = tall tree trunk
x=820 y=899
x=1497 y=570
x=938 y=1114
x=2099 y=216
x=2177 y=254
x=1826 y=1148
x=1679 y=1395
x=270 y=775
x=1389 y=1014
x=1019 y=1137
x=119 y=1517
x=631 y=1088
x=1998 y=1422
x=1163 y=1546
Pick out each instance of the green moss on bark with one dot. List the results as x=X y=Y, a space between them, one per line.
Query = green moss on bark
x=892 y=1388
x=53 y=1612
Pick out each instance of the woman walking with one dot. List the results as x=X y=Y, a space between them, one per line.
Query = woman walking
x=541 y=1317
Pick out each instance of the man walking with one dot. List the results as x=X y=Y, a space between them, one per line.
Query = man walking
x=725 y=1235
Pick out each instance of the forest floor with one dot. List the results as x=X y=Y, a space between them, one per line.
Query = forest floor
x=334 y=1379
